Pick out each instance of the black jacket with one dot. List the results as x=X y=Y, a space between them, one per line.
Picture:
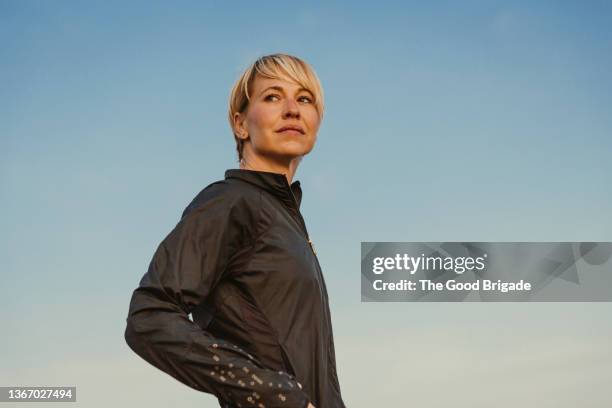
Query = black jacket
x=241 y=262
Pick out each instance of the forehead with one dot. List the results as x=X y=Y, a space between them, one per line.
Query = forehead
x=261 y=84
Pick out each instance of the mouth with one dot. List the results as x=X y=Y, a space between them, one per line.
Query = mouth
x=291 y=130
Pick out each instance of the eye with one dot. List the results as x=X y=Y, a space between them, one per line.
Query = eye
x=307 y=98
x=267 y=98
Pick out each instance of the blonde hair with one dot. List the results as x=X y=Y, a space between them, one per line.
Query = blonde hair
x=274 y=66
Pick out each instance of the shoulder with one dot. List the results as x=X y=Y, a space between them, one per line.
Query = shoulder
x=220 y=219
x=229 y=197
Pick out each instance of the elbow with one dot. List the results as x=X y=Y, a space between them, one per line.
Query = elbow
x=150 y=323
x=131 y=336
x=140 y=341
x=146 y=324
x=133 y=333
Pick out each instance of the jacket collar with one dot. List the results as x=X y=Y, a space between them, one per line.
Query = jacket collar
x=274 y=183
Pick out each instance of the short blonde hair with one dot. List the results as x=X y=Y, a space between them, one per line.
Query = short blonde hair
x=275 y=66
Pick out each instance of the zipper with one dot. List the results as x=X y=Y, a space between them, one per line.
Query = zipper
x=314 y=252
x=305 y=230
x=319 y=273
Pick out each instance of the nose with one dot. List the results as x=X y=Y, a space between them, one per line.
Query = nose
x=291 y=109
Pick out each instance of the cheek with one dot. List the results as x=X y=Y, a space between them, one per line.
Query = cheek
x=261 y=118
x=312 y=119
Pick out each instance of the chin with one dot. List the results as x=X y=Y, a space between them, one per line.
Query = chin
x=294 y=150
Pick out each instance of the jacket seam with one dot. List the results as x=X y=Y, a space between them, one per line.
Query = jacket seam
x=224 y=273
x=274 y=333
x=251 y=244
x=254 y=301
x=257 y=234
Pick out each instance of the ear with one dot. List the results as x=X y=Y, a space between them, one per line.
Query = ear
x=240 y=126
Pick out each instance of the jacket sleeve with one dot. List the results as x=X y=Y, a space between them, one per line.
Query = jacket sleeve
x=184 y=270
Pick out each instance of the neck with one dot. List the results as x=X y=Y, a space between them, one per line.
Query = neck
x=285 y=167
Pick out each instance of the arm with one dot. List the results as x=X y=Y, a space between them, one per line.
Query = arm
x=184 y=270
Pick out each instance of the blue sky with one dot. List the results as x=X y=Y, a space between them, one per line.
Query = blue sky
x=445 y=121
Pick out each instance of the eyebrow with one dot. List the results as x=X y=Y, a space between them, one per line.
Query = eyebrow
x=280 y=89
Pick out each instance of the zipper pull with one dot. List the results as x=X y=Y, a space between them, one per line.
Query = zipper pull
x=312 y=246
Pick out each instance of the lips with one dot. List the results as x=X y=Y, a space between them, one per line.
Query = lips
x=291 y=127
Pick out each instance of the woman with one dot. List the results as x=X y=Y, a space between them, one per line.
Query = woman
x=241 y=262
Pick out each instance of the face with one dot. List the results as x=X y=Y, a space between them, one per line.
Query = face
x=281 y=121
